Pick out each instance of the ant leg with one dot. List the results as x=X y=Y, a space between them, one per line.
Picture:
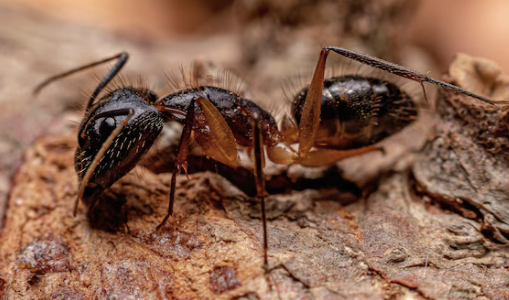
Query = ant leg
x=259 y=159
x=181 y=161
x=324 y=157
x=214 y=135
x=405 y=72
x=282 y=154
x=312 y=108
x=289 y=130
x=212 y=132
x=100 y=155
x=122 y=59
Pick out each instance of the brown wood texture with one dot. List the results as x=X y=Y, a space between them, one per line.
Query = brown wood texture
x=427 y=224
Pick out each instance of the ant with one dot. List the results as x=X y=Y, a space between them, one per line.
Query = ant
x=334 y=119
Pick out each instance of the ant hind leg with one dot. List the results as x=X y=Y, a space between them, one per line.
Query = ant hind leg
x=312 y=108
x=405 y=72
x=323 y=157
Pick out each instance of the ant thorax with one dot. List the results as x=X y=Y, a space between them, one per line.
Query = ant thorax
x=236 y=110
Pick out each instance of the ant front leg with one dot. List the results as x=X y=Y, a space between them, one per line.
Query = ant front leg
x=214 y=136
x=211 y=132
x=181 y=161
x=100 y=154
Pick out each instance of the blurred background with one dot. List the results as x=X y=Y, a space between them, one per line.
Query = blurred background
x=267 y=43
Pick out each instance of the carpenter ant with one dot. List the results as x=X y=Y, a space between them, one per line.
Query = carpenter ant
x=333 y=119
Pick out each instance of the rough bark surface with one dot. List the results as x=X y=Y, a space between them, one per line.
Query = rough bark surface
x=466 y=164
x=404 y=225
x=392 y=243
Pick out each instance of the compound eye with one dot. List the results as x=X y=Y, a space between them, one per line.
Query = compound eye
x=106 y=126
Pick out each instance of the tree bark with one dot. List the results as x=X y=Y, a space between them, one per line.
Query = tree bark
x=397 y=241
x=406 y=223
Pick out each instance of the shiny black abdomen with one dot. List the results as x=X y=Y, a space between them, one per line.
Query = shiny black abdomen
x=358 y=111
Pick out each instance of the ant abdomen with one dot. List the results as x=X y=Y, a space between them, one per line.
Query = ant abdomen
x=137 y=136
x=236 y=111
x=358 y=111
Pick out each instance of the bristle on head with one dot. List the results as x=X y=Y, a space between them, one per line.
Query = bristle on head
x=205 y=73
x=122 y=81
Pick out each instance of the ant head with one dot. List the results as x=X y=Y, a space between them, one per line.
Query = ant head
x=126 y=148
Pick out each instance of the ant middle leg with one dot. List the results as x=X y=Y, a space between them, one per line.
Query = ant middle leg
x=261 y=193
